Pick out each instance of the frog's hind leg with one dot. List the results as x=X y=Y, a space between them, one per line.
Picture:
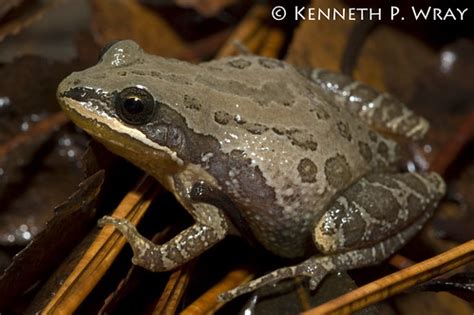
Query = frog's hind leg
x=369 y=222
x=317 y=267
x=382 y=111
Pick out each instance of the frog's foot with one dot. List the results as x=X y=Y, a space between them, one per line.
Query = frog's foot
x=128 y=230
x=139 y=244
x=314 y=268
x=123 y=225
x=172 y=254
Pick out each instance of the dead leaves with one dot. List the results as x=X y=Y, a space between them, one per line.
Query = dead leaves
x=121 y=19
x=17 y=14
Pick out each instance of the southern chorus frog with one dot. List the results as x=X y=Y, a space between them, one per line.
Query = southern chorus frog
x=253 y=146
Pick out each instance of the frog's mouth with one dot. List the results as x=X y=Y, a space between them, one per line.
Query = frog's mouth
x=83 y=94
x=89 y=103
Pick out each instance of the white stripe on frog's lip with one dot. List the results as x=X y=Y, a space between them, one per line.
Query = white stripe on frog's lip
x=113 y=124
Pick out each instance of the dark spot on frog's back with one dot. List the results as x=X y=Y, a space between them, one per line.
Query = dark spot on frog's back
x=192 y=103
x=365 y=151
x=254 y=128
x=320 y=113
x=344 y=130
x=337 y=171
x=156 y=74
x=307 y=170
x=302 y=139
x=297 y=138
x=279 y=130
x=239 y=63
x=372 y=136
x=222 y=118
x=138 y=72
x=382 y=149
x=271 y=63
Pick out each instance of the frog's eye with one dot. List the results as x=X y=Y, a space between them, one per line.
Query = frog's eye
x=135 y=106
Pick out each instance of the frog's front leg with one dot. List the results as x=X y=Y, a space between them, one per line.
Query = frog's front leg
x=380 y=110
x=365 y=225
x=210 y=228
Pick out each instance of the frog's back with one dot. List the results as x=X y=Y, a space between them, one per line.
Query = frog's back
x=288 y=147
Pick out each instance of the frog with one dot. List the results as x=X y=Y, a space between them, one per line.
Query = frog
x=305 y=162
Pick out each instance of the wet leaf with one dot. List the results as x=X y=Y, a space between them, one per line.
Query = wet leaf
x=39 y=154
x=431 y=303
x=6 y=6
x=71 y=221
x=128 y=19
x=22 y=16
x=28 y=93
x=460 y=281
x=205 y=7
x=297 y=298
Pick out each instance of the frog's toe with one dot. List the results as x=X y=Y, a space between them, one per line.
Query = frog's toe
x=314 y=281
x=226 y=296
x=122 y=225
x=268 y=279
x=229 y=295
x=246 y=288
x=106 y=220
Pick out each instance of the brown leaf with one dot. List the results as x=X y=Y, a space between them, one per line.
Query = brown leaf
x=72 y=219
x=174 y=290
x=208 y=302
x=431 y=303
x=98 y=257
x=38 y=154
x=397 y=282
x=24 y=16
x=255 y=34
x=128 y=19
x=205 y=7
x=389 y=60
x=6 y=6
x=40 y=78
x=135 y=277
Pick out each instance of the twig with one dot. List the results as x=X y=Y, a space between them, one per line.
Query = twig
x=26 y=15
x=174 y=290
x=250 y=24
x=102 y=252
x=398 y=281
x=273 y=43
x=400 y=262
x=207 y=303
x=453 y=147
x=43 y=127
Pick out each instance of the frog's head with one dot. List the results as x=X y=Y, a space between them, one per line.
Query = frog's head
x=121 y=102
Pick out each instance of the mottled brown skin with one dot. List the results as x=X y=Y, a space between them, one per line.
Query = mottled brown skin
x=251 y=145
